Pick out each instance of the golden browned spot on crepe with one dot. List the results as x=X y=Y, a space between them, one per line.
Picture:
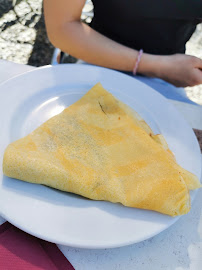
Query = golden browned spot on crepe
x=101 y=149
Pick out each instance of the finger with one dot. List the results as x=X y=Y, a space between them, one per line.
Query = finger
x=199 y=63
x=200 y=66
x=197 y=77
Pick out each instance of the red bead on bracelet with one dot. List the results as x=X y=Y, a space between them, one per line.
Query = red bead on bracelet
x=137 y=62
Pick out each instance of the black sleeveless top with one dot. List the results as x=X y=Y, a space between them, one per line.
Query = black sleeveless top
x=156 y=26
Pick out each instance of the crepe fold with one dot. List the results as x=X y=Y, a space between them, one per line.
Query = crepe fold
x=101 y=149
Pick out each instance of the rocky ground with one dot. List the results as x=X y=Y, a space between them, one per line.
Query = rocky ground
x=23 y=37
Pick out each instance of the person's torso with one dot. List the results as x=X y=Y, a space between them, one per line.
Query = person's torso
x=156 y=26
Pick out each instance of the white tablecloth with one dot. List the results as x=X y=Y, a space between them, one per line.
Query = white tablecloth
x=177 y=248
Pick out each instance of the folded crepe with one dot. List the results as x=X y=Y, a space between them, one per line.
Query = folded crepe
x=101 y=149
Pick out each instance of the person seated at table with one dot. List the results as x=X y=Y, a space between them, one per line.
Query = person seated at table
x=139 y=37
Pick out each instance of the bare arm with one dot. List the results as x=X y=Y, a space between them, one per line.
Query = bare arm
x=67 y=32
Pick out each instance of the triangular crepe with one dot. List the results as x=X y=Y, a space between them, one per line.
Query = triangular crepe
x=102 y=149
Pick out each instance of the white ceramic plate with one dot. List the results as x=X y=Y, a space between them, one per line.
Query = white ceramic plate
x=32 y=98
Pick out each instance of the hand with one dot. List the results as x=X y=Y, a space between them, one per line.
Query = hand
x=180 y=70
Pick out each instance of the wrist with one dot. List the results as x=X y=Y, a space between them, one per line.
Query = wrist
x=151 y=65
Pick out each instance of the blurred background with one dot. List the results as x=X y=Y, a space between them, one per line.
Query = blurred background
x=23 y=37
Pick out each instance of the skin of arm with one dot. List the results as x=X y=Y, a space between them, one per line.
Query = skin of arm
x=67 y=32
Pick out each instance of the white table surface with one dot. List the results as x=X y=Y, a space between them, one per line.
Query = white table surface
x=177 y=248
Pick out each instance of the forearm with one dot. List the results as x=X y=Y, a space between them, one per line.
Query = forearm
x=67 y=32
x=81 y=41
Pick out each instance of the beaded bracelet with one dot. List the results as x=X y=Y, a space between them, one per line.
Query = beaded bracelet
x=137 y=62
